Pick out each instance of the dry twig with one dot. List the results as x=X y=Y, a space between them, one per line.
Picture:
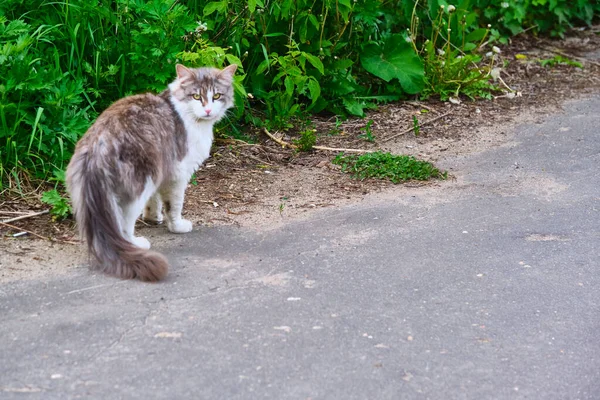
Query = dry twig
x=25 y=216
x=323 y=148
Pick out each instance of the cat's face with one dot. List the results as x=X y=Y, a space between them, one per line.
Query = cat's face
x=205 y=93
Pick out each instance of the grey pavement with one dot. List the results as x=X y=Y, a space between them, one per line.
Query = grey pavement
x=486 y=288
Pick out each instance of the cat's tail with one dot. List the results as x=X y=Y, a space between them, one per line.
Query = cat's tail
x=96 y=213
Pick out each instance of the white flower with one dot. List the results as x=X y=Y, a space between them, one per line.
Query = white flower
x=441 y=52
x=489 y=26
x=489 y=54
x=495 y=73
x=504 y=4
x=496 y=50
x=250 y=96
x=451 y=8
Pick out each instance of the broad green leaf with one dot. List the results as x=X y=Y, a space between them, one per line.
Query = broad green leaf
x=354 y=107
x=289 y=86
x=315 y=61
x=396 y=60
x=315 y=89
x=220 y=6
x=476 y=35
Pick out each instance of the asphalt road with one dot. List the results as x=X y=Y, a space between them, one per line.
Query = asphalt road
x=484 y=289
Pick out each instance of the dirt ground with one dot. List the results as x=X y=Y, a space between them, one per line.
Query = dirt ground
x=265 y=185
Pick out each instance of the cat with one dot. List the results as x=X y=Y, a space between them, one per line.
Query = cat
x=139 y=155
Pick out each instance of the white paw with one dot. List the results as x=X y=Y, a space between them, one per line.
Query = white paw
x=180 y=226
x=141 y=242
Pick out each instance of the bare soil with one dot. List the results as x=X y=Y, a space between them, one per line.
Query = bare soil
x=265 y=185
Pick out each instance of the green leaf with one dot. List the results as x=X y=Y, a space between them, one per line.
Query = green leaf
x=220 y=6
x=289 y=86
x=315 y=61
x=476 y=35
x=395 y=60
x=314 y=88
x=60 y=205
x=353 y=107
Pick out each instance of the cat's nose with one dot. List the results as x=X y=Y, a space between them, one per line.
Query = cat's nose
x=208 y=111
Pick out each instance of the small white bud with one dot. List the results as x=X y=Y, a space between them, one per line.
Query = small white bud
x=441 y=52
x=495 y=73
x=496 y=50
x=451 y=8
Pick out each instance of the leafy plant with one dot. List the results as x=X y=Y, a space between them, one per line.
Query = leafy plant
x=452 y=53
x=416 y=127
x=546 y=16
x=368 y=133
x=337 y=129
x=60 y=205
x=395 y=168
x=559 y=60
x=308 y=138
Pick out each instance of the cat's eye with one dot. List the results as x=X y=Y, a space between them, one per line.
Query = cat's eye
x=217 y=96
x=196 y=96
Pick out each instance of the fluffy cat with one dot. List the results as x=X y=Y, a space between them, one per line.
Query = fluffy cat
x=138 y=156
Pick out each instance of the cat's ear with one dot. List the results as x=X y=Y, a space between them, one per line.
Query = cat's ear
x=228 y=72
x=183 y=72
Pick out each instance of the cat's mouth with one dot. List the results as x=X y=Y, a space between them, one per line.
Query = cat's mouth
x=205 y=118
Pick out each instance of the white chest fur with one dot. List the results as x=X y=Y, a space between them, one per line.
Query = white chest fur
x=199 y=142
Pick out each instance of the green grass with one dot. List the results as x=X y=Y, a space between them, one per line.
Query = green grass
x=387 y=166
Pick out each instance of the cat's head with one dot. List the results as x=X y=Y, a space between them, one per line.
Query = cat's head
x=203 y=94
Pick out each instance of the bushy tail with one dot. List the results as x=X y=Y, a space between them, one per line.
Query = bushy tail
x=95 y=212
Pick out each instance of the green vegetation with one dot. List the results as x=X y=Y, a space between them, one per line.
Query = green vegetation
x=308 y=138
x=367 y=132
x=60 y=206
x=64 y=61
x=559 y=60
x=395 y=168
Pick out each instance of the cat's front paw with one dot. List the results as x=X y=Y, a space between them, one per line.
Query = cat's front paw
x=180 y=226
x=141 y=242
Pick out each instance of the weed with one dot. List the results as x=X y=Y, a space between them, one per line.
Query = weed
x=337 y=129
x=308 y=138
x=282 y=205
x=367 y=132
x=416 y=127
x=60 y=205
x=395 y=168
x=559 y=60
